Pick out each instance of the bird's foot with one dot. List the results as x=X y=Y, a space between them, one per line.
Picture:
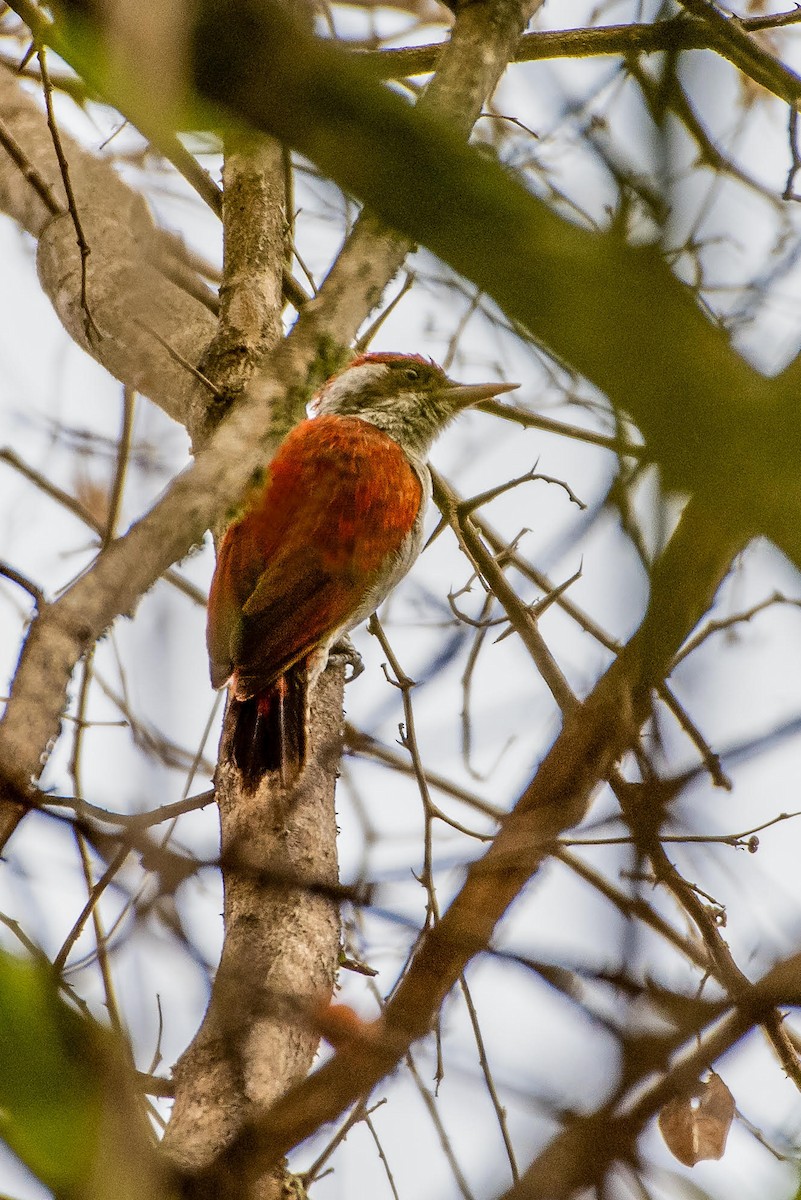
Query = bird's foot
x=344 y=648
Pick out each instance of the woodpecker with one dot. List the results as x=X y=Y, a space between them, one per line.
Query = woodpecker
x=319 y=544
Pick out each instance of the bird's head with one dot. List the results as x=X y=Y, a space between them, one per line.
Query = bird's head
x=407 y=396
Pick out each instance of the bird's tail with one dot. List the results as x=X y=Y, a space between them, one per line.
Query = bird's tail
x=268 y=731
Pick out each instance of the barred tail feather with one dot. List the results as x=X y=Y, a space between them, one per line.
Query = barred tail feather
x=268 y=731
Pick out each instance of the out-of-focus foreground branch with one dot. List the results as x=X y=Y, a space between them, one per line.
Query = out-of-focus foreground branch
x=615 y=312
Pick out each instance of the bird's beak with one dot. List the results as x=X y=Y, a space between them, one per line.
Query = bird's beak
x=462 y=395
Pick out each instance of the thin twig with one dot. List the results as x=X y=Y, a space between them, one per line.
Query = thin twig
x=179 y=358
x=96 y=892
x=745 y=840
x=673 y=34
x=29 y=171
x=638 y=810
x=710 y=759
x=73 y=505
x=531 y=420
x=409 y=741
x=390 y=1178
x=143 y=820
x=123 y=456
x=90 y=328
x=372 y=329
x=27 y=585
x=717 y=625
x=436 y=1120
x=354 y=1117
x=789 y=192
x=500 y=1112
x=362 y=743
x=468 y=507
x=516 y=610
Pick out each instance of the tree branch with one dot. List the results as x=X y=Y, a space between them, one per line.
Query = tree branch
x=627 y=41
x=125 y=284
x=581 y=1154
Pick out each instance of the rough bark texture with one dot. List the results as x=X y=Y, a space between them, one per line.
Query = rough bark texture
x=281 y=935
x=254 y=240
x=280 y=955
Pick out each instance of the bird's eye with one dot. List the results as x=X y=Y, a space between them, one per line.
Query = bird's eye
x=411 y=374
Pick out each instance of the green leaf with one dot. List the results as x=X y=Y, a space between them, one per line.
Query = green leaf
x=67 y=1107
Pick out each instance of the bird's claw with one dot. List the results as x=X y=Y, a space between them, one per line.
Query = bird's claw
x=344 y=648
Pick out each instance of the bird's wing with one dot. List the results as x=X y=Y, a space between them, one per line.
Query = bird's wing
x=296 y=605
x=228 y=592
x=340 y=501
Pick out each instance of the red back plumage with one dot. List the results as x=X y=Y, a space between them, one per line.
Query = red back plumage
x=338 y=504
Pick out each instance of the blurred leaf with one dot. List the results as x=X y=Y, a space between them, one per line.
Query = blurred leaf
x=696 y=1126
x=67 y=1107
